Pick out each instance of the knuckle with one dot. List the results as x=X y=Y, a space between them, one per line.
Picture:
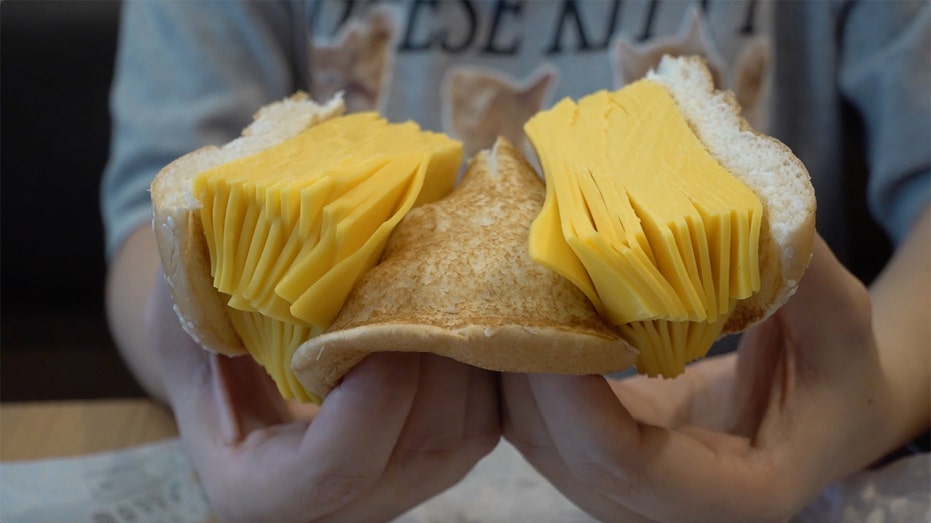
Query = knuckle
x=425 y=448
x=468 y=435
x=484 y=436
x=334 y=490
x=451 y=448
x=773 y=490
x=479 y=446
x=530 y=446
x=606 y=477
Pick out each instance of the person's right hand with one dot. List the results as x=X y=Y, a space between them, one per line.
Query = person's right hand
x=399 y=429
x=752 y=435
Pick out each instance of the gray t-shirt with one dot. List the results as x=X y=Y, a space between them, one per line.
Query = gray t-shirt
x=839 y=83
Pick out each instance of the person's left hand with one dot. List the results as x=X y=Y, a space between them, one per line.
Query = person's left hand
x=397 y=430
x=750 y=436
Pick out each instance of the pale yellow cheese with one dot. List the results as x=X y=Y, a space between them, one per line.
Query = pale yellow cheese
x=272 y=344
x=291 y=229
x=644 y=220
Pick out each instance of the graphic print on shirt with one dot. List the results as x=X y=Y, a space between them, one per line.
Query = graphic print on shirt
x=482 y=104
x=748 y=77
x=750 y=81
x=358 y=62
x=473 y=68
x=632 y=61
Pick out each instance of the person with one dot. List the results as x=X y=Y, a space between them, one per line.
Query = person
x=834 y=381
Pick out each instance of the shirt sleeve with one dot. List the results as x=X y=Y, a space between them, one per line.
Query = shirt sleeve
x=885 y=72
x=188 y=74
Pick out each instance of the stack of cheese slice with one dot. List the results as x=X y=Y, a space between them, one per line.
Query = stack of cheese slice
x=291 y=229
x=642 y=218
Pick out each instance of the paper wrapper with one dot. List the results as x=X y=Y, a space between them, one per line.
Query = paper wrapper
x=156 y=484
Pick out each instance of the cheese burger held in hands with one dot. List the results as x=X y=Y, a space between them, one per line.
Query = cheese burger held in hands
x=317 y=238
x=262 y=239
x=677 y=219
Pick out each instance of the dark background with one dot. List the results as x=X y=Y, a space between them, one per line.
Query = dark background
x=55 y=72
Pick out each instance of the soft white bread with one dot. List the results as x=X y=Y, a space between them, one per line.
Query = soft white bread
x=766 y=166
x=178 y=228
x=456 y=279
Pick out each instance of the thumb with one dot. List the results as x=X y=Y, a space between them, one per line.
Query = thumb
x=814 y=339
x=214 y=397
x=830 y=315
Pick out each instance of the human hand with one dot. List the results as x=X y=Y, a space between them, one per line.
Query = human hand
x=399 y=429
x=749 y=436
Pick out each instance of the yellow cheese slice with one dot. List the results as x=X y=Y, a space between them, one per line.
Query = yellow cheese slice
x=272 y=344
x=291 y=229
x=644 y=220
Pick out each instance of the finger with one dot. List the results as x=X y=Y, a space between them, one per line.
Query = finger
x=186 y=368
x=221 y=427
x=525 y=428
x=658 y=472
x=301 y=411
x=453 y=423
x=830 y=312
x=348 y=445
x=701 y=397
x=797 y=346
x=437 y=417
x=184 y=365
x=809 y=338
x=798 y=363
x=483 y=408
x=816 y=363
x=427 y=445
x=456 y=405
x=523 y=425
x=300 y=473
x=309 y=470
x=234 y=393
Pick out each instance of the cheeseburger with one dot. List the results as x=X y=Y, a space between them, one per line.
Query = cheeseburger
x=661 y=222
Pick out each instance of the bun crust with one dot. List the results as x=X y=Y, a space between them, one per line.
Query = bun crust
x=456 y=280
x=178 y=228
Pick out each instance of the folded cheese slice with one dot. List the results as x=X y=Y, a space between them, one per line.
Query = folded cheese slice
x=290 y=230
x=640 y=215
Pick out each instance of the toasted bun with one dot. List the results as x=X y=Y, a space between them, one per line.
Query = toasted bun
x=178 y=229
x=456 y=280
x=766 y=166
